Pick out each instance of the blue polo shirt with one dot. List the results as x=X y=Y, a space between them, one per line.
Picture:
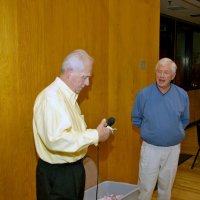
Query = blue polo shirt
x=161 y=118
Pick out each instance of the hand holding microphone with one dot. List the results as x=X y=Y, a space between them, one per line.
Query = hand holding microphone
x=110 y=122
x=104 y=129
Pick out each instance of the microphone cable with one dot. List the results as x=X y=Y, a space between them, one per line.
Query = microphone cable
x=110 y=122
x=97 y=161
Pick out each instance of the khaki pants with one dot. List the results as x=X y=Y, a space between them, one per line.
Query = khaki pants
x=157 y=165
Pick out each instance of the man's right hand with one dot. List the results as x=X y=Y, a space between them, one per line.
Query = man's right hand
x=104 y=132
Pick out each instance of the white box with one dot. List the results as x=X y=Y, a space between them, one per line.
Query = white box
x=129 y=191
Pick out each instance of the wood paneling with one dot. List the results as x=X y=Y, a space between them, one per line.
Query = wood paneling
x=190 y=143
x=132 y=57
x=35 y=36
x=194 y=96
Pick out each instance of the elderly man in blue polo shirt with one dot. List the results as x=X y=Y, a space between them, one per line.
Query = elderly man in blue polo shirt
x=161 y=111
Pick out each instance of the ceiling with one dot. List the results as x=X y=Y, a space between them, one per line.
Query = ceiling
x=187 y=10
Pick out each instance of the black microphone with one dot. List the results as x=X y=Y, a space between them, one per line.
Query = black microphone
x=110 y=121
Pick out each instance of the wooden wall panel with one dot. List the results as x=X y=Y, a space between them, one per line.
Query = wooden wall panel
x=194 y=96
x=133 y=52
x=35 y=36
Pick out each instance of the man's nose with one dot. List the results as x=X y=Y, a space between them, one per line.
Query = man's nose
x=87 y=81
x=162 y=74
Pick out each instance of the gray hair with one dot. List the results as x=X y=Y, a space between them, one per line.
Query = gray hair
x=165 y=61
x=76 y=59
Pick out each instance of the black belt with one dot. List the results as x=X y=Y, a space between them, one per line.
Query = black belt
x=63 y=164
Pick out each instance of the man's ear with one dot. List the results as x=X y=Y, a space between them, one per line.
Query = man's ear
x=68 y=72
x=173 y=76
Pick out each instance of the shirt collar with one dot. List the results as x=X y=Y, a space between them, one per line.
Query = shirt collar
x=166 y=91
x=66 y=90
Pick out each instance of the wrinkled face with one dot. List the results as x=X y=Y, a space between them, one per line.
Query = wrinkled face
x=164 y=75
x=78 y=79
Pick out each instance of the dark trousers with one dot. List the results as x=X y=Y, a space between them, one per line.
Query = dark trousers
x=60 y=181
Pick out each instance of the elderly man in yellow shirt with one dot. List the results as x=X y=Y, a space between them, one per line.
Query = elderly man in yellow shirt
x=60 y=132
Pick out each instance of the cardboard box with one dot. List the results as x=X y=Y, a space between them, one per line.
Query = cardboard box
x=129 y=191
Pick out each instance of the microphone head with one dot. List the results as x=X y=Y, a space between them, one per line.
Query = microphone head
x=110 y=121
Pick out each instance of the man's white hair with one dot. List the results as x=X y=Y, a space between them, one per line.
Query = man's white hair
x=165 y=61
x=76 y=59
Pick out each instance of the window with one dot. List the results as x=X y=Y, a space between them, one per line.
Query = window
x=180 y=41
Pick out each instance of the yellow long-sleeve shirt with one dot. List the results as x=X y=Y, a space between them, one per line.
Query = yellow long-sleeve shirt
x=60 y=132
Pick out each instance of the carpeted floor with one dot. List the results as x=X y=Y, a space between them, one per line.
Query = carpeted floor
x=183 y=157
